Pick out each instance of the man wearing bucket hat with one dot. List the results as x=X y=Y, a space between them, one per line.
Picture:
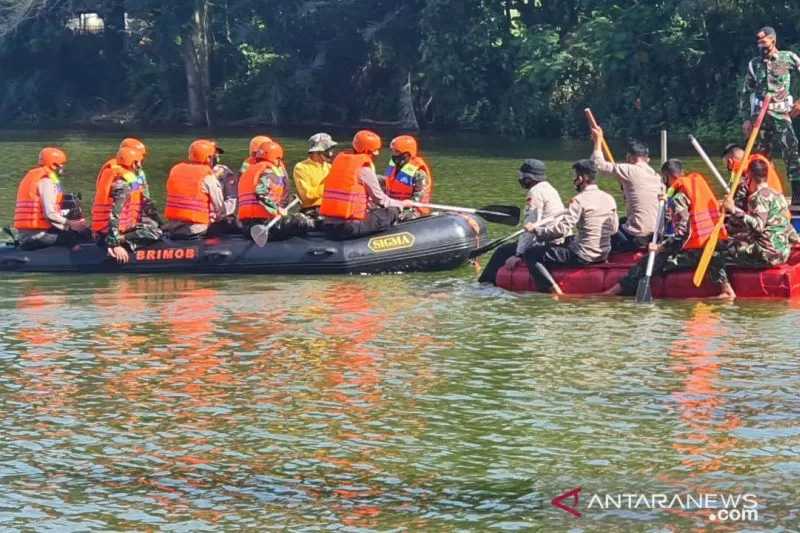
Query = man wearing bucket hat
x=542 y=201
x=309 y=175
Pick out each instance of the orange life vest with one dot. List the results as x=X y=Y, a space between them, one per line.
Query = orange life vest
x=186 y=200
x=103 y=204
x=345 y=197
x=29 y=213
x=400 y=182
x=773 y=179
x=249 y=206
x=703 y=209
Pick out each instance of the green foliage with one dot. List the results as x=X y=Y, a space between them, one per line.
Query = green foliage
x=515 y=67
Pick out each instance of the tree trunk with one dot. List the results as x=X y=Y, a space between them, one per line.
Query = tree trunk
x=196 y=57
x=114 y=44
x=408 y=116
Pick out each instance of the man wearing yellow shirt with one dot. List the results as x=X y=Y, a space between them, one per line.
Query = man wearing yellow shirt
x=309 y=175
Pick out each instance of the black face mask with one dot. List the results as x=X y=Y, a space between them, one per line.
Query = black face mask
x=399 y=160
x=578 y=183
x=526 y=183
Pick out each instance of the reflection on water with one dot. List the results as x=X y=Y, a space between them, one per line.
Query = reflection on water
x=423 y=402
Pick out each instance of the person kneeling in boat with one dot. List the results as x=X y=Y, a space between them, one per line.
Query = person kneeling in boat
x=353 y=203
x=117 y=213
x=692 y=212
x=591 y=217
x=309 y=175
x=38 y=215
x=408 y=177
x=641 y=186
x=770 y=236
x=194 y=195
x=264 y=194
x=543 y=201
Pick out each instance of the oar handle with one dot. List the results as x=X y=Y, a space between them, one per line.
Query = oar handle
x=277 y=218
x=704 y=156
x=442 y=207
x=603 y=143
x=651 y=258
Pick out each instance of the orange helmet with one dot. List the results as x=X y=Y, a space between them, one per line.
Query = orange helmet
x=52 y=157
x=366 y=142
x=203 y=150
x=256 y=142
x=270 y=151
x=131 y=142
x=128 y=157
x=404 y=144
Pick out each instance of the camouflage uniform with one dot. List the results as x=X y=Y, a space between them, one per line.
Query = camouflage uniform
x=770 y=235
x=150 y=214
x=288 y=226
x=773 y=76
x=673 y=257
x=142 y=234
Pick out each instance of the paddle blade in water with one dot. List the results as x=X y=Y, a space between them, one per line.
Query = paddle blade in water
x=260 y=235
x=643 y=293
x=508 y=215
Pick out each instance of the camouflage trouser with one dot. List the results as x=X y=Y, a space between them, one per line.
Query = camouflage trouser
x=666 y=262
x=142 y=235
x=750 y=254
x=777 y=133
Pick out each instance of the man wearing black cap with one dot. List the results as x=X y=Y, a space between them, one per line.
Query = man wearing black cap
x=543 y=201
x=588 y=225
x=770 y=74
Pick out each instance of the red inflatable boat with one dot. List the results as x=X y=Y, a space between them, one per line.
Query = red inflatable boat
x=778 y=282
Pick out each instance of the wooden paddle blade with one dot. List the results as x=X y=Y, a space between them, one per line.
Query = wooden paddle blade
x=508 y=215
x=260 y=235
x=644 y=294
x=708 y=253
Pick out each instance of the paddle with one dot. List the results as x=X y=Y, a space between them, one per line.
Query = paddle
x=604 y=144
x=643 y=292
x=499 y=214
x=510 y=237
x=260 y=232
x=704 y=156
x=543 y=271
x=713 y=239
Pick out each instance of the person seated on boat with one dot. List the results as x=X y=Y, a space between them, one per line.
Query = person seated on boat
x=691 y=214
x=264 y=194
x=38 y=215
x=586 y=227
x=194 y=196
x=117 y=214
x=641 y=187
x=229 y=183
x=309 y=175
x=770 y=235
x=542 y=201
x=408 y=177
x=353 y=203
x=732 y=156
x=255 y=142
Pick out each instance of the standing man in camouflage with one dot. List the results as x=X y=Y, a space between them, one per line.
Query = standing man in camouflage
x=769 y=239
x=771 y=74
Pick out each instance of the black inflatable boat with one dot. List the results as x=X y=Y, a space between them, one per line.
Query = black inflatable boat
x=438 y=242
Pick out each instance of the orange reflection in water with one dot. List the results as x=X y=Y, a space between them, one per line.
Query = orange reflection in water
x=706 y=436
x=696 y=356
x=44 y=381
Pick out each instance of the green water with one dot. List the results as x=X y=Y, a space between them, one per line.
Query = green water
x=416 y=402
